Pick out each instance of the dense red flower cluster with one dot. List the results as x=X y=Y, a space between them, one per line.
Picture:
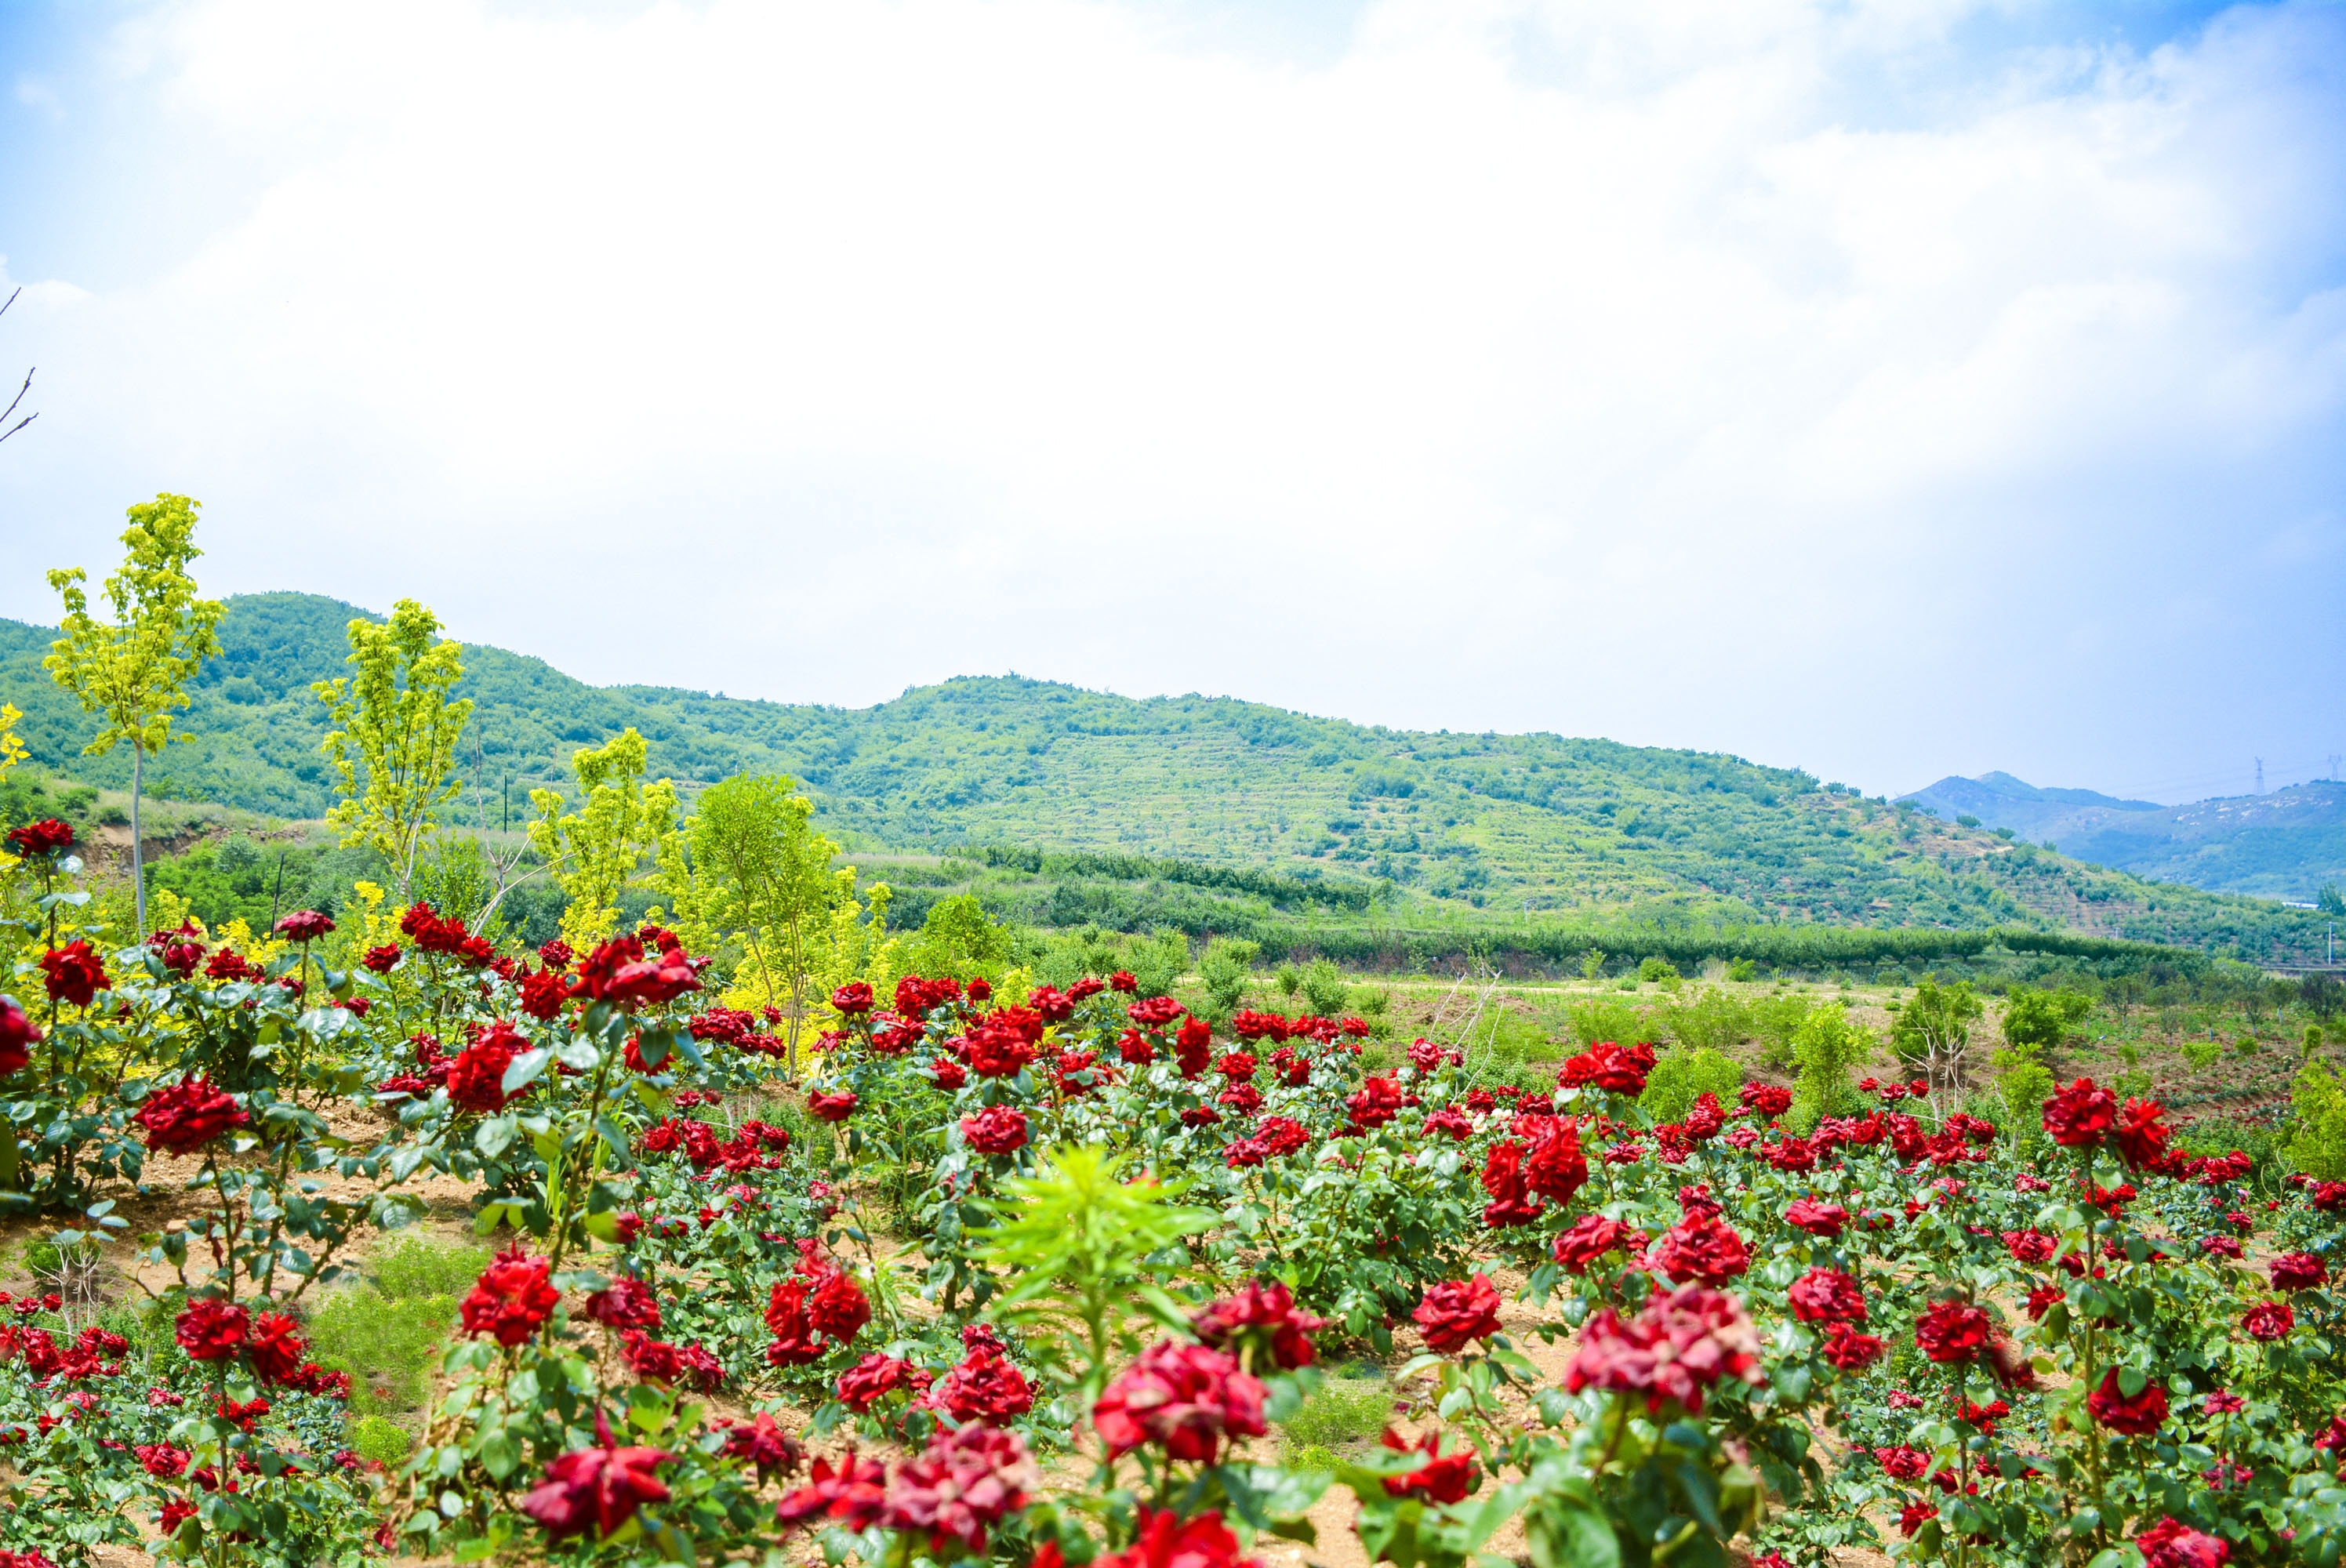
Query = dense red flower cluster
x=2299 y=1271
x=815 y=1304
x=1187 y=1399
x=2268 y=1321
x=1677 y=1346
x=854 y=1493
x=1166 y=1540
x=476 y=1078
x=964 y=1483
x=211 y=1329
x=1590 y=1237
x=626 y=1303
x=1766 y=1101
x=182 y=1117
x=513 y=1297
x=1824 y=1219
x=984 y=1387
x=876 y=1377
x=618 y=973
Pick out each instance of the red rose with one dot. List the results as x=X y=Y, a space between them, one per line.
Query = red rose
x=542 y=993
x=2268 y=1321
x=1155 y=1012
x=1816 y=1219
x=1457 y=1312
x=2080 y=1113
x=854 y=999
x=875 y=1377
x=275 y=1348
x=1674 y=1349
x=795 y=1340
x=597 y=1488
x=1167 y=1541
x=211 y=1329
x=382 y=960
x=1187 y=1398
x=1503 y=1178
x=513 y=1296
x=1849 y=1350
x=1442 y=1478
x=182 y=1117
x=18 y=1035
x=996 y=1130
x=838 y=1308
x=477 y=1080
x=1264 y=1316
x=304 y=925
x=1827 y=1296
x=617 y=972
x=36 y=839
x=948 y=1073
x=1766 y=1101
x=1951 y=1331
x=851 y=1493
x=1590 y=1237
x=1192 y=1046
x=963 y=1482
x=984 y=1387
x=2137 y=1417
x=2167 y=1544
x=2299 y=1271
x=773 y=1451
x=1557 y=1168
x=625 y=1303
x=75 y=973
x=1609 y=1067
x=1700 y=1248
x=832 y=1107
x=1375 y=1102
x=2140 y=1133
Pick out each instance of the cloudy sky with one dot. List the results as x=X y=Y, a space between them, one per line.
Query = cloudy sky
x=1891 y=387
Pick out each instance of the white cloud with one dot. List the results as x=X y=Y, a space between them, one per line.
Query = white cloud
x=1719 y=374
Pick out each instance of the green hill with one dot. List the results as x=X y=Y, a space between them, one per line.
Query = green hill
x=1402 y=830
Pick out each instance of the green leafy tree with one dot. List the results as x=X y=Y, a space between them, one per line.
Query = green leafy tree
x=135 y=669
x=394 y=735
x=594 y=852
x=2040 y=1020
x=1933 y=1032
x=1227 y=968
x=752 y=866
x=2317 y=1144
x=1829 y=1045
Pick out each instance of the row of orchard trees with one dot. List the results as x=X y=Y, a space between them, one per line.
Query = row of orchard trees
x=744 y=875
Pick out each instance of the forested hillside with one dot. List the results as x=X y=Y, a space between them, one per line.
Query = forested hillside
x=1401 y=829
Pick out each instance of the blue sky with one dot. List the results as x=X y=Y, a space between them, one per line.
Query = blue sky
x=1890 y=390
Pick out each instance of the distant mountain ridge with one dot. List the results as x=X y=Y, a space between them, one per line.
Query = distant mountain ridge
x=1459 y=829
x=2286 y=844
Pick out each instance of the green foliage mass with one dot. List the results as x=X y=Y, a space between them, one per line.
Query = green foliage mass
x=1680 y=1078
x=387 y=1332
x=1213 y=816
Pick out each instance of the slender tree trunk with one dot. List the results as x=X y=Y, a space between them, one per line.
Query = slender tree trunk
x=137 y=843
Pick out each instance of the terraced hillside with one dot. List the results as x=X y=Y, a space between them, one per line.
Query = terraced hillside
x=1444 y=826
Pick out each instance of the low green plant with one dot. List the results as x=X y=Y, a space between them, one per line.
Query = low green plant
x=1681 y=1077
x=1828 y=1045
x=1742 y=970
x=1590 y=1022
x=1654 y=969
x=1504 y=1039
x=1774 y=1020
x=413 y=1267
x=1710 y=1020
x=1341 y=1410
x=1226 y=970
x=1288 y=979
x=2317 y=1146
x=387 y=1332
x=1324 y=990
x=2202 y=1054
x=373 y=1437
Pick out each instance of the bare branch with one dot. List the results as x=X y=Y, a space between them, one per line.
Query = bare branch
x=8 y=413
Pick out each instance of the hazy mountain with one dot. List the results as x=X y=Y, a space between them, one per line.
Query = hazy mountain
x=2285 y=845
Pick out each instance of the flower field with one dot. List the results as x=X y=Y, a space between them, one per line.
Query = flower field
x=999 y=1271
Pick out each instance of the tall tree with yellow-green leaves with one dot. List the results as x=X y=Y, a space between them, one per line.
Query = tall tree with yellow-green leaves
x=750 y=864
x=597 y=851
x=135 y=669
x=395 y=733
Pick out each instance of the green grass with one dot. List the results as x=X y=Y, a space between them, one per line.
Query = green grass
x=1343 y=1412
x=388 y=1332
